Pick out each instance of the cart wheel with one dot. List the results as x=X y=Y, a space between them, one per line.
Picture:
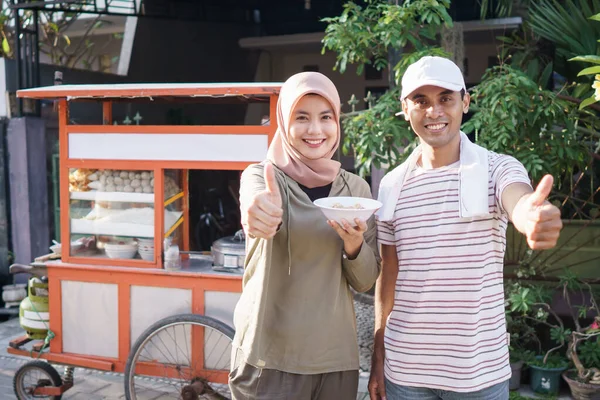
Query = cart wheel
x=35 y=374
x=182 y=357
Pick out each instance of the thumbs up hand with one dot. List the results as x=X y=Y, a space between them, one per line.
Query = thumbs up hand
x=263 y=215
x=542 y=224
x=271 y=186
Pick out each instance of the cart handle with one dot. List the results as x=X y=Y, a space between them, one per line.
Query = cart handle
x=36 y=269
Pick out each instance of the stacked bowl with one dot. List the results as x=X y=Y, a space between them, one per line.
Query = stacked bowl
x=146 y=249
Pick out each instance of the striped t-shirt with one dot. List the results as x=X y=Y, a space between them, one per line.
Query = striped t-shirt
x=447 y=329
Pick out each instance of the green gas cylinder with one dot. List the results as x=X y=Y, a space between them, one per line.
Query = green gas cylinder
x=33 y=311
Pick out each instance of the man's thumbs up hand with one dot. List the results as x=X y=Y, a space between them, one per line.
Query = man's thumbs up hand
x=543 y=223
x=539 y=197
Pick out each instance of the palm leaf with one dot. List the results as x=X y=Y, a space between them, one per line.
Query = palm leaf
x=567 y=24
x=503 y=8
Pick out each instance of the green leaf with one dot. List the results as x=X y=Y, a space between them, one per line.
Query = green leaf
x=581 y=90
x=587 y=102
x=343 y=63
x=360 y=69
x=591 y=59
x=545 y=76
x=589 y=71
x=67 y=40
x=505 y=39
x=5 y=46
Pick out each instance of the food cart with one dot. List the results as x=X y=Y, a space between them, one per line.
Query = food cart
x=127 y=295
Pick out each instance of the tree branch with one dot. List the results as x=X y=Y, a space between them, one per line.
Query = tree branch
x=577 y=101
x=539 y=321
x=592 y=298
x=573 y=314
x=88 y=31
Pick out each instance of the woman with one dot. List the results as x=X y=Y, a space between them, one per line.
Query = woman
x=295 y=325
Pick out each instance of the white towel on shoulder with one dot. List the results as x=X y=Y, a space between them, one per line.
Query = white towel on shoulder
x=473 y=181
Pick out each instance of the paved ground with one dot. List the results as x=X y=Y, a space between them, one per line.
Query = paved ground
x=95 y=385
x=89 y=384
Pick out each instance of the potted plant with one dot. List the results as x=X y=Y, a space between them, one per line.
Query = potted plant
x=518 y=359
x=531 y=301
x=546 y=371
x=584 y=380
x=522 y=338
x=528 y=301
x=584 y=348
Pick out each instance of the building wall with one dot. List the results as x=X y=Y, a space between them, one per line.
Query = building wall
x=183 y=51
x=186 y=52
x=481 y=56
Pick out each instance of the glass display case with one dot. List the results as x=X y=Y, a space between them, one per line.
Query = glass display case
x=112 y=212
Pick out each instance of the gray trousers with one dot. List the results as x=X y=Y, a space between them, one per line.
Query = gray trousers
x=247 y=382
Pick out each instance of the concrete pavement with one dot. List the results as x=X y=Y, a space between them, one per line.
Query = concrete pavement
x=89 y=384
x=97 y=385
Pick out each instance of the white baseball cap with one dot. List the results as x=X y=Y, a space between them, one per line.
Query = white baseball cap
x=434 y=71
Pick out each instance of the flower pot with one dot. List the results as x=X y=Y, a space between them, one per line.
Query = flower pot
x=515 y=378
x=545 y=380
x=579 y=390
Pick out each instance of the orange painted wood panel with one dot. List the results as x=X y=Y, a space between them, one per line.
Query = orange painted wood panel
x=68 y=359
x=125 y=277
x=107 y=115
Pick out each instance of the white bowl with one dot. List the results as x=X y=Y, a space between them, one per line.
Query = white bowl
x=146 y=241
x=147 y=255
x=57 y=248
x=114 y=250
x=332 y=210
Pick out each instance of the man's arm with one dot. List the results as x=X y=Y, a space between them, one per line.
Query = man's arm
x=385 y=290
x=532 y=214
x=511 y=196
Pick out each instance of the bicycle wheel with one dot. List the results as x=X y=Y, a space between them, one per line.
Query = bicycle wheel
x=33 y=375
x=180 y=357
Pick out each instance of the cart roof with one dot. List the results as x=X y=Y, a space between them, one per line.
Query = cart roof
x=146 y=90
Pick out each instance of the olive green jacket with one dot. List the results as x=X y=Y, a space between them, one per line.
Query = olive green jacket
x=296 y=312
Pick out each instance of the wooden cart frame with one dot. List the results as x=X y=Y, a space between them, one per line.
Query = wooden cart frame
x=107 y=277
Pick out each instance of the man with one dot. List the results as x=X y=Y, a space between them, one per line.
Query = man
x=440 y=330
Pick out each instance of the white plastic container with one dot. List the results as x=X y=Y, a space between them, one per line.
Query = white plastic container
x=172 y=260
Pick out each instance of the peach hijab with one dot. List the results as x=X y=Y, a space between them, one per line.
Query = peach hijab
x=310 y=173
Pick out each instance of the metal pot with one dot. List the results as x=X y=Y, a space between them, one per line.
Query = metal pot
x=229 y=251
